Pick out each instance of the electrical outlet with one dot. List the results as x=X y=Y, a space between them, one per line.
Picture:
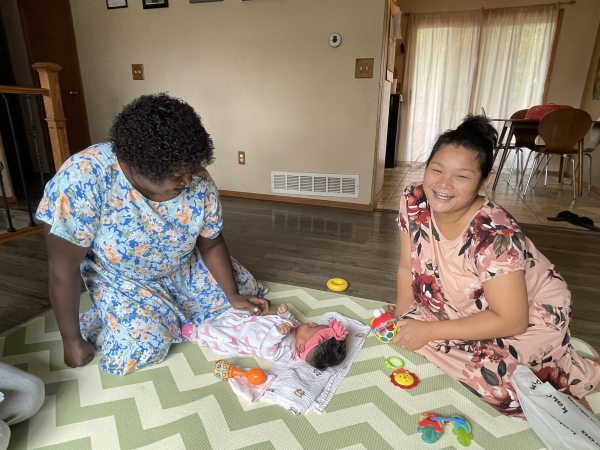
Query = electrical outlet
x=137 y=70
x=242 y=158
x=364 y=68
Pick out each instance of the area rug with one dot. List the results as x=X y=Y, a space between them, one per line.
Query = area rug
x=179 y=404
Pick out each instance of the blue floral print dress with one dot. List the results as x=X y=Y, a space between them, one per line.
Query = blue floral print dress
x=143 y=271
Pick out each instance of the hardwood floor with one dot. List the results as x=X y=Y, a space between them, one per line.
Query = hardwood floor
x=23 y=280
x=306 y=245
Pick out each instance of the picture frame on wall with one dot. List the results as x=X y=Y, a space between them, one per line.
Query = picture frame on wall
x=151 y=4
x=116 y=4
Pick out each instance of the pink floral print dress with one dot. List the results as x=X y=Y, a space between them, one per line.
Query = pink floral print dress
x=143 y=269
x=447 y=284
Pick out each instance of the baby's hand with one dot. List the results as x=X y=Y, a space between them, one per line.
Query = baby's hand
x=282 y=309
x=284 y=328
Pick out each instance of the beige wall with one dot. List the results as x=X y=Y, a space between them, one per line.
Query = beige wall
x=575 y=45
x=260 y=73
x=593 y=106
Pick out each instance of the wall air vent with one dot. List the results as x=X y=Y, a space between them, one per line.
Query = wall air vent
x=322 y=184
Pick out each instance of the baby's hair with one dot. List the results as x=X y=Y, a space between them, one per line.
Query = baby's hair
x=328 y=353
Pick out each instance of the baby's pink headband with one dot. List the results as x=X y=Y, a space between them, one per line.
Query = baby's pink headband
x=336 y=330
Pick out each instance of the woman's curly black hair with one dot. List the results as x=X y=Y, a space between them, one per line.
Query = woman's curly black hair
x=328 y=353
x=158 y=135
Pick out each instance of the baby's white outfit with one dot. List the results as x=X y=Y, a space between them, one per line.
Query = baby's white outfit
x=239 y=333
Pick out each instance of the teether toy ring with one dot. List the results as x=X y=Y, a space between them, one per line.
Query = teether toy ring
x=337 y=284
x=393 y=362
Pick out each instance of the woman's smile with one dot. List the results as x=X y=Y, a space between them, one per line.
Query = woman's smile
x=442 y=197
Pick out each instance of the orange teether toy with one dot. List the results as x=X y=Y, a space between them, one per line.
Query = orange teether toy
x=224 y=370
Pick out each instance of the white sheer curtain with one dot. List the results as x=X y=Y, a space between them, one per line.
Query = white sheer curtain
x=442 y=60
x=514 y=55
x=459 y=62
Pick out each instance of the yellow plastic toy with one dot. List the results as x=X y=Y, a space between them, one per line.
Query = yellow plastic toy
x=404 y=379
x=337 y=284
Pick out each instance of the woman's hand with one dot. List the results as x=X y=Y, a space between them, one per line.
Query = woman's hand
x=78 y=352
x=390 y=309
x=256 y=305
x=412 y=334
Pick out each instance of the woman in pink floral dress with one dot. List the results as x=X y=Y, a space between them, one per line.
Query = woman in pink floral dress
x=475 y=296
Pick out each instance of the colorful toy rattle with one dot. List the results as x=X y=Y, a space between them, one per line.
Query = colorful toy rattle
x=383 y=326
x=431 y=427
x=225 y=370
x=404 y=379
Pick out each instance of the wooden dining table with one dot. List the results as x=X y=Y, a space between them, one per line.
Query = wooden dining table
x=533 y=124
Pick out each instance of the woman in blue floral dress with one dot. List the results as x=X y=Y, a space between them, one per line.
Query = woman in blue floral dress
x=139 y=219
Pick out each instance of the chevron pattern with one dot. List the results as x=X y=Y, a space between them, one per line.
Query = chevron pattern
x=179 y=404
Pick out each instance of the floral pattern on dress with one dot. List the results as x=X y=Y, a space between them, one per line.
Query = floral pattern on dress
x=143 y=270
x=448 y=278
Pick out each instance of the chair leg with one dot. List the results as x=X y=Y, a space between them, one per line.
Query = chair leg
x=546 y=176
x=522 y=169
x=564 y=159
x=513 y=165
x=545 y=169
x=537 y=160
x=589 y=155
x=573 y=177
x=574 y=184
x=519 y=160
x=525 y=167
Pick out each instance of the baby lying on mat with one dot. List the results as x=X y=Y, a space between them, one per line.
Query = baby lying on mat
x=278 y=337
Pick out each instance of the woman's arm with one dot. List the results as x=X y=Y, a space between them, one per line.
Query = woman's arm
x=404 y=276
x=216 y=257
x=405 y=293
x=508 y=315
x=64 y=287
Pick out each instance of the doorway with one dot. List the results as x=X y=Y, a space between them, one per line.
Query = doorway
x=37 y=31
x=388 y=55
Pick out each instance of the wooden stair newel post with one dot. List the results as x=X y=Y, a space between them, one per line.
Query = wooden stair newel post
x=55 y=117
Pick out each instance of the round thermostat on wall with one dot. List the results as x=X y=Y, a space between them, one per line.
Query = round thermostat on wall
x=335 y=40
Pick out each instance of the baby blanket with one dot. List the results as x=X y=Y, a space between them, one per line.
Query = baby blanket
x=300 y=387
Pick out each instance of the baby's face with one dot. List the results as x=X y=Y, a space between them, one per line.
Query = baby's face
x=304 y=332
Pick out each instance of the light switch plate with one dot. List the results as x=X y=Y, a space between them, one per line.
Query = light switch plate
x=137 y=70
x=364 y=68
x=242 y=158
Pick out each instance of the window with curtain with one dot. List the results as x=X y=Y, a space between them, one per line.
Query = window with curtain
x=459 y=62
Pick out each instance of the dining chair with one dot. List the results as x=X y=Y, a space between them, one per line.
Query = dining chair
x=594 y=144
x=520 y=139
x=561 y=131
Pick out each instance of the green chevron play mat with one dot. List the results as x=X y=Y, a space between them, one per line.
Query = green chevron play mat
x=179 y=404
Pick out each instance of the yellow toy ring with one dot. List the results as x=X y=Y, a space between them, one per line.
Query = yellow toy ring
x=337 y=284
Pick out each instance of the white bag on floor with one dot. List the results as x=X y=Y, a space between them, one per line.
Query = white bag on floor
x=558 y=419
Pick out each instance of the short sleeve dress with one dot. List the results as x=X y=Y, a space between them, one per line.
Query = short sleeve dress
x=447 y=284
x=143 y=270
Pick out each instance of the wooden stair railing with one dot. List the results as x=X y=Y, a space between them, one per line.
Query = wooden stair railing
x=55 y=119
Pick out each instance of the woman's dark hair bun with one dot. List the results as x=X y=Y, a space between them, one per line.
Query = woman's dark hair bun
x=475 y=133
